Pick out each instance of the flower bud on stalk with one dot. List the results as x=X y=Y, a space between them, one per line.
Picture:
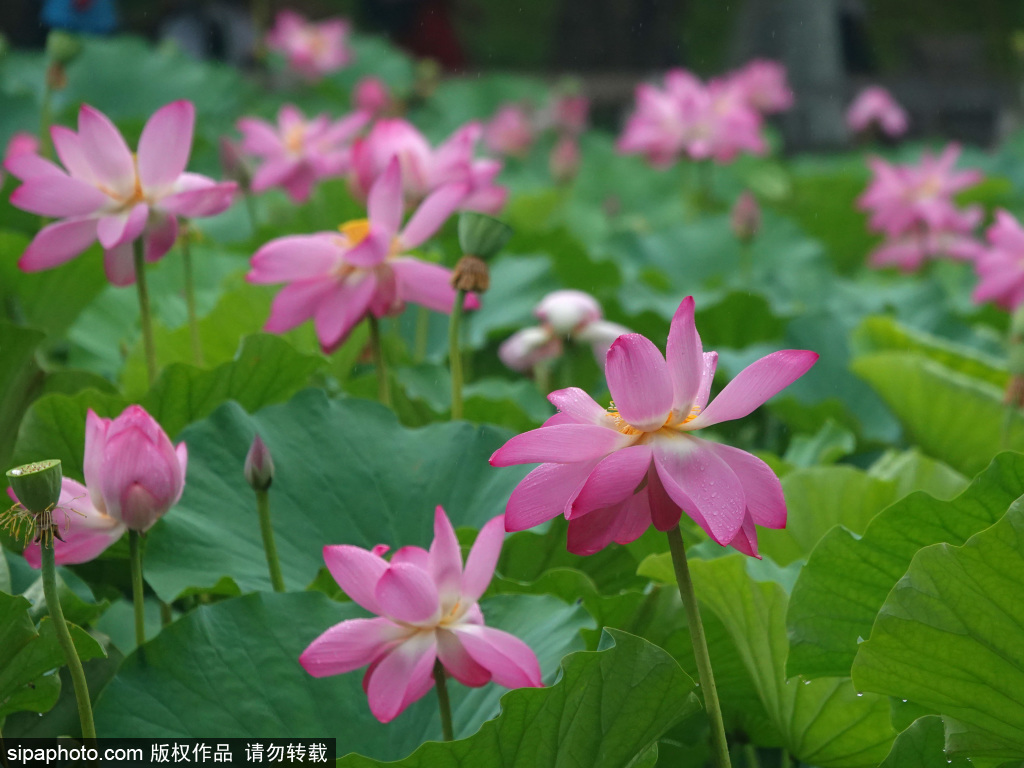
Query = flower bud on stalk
x=259 y=474
x=259 y=465
x=746 y=217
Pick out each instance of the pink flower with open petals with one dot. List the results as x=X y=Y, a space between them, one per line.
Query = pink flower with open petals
x=336 y=278
x=312 y=49
x=426 y=607
x=85 y=531
x=876 y=106
x=764 y=86
x=1001 y=266
x=109 y=194
x=612 y=472
x=299 y=152
x=21 y=143
x=426 y=169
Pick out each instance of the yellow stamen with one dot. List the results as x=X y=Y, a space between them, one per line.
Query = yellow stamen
x=355 y=231
x=294 y=137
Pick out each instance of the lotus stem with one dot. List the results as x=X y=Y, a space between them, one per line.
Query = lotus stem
x=269 y=546
x=64 y=637
x=443 y=702
x=135 y=545
x=144 y=311
x=383 y=386
x=455 y=354
x=719 y=745
x=190 y=297
x=422 y=334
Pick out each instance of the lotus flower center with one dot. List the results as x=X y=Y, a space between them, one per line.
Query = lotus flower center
x=294 y=138
x=628 y=429
x=355 y=231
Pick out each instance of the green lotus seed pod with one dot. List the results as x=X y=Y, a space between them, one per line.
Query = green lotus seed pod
x=481 y=235
x=37 y=485
x=62 y=47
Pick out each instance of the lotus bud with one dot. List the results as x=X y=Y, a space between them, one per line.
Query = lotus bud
x=37 y=485
x=564 y=162
x=746 y=217
x=259 y=465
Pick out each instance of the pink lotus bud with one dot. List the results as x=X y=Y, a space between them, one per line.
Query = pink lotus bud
x=232 y=162
x=570 y=113
x=565 y=160
x=132 y=471
x=566 y=311
x=509 y=132
x=259 y=465
x=746 y=217
x=372 y=96
x=529 y=346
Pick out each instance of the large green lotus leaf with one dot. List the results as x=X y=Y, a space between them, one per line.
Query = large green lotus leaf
x=231 y=669
x=346 y=472
x=266 y=370
x=826 y=446
x=922 y=745
x=884 y=334
x=819 y=498
x=823 y=722
x=28 y=656
x=49 y=300
x=852 y=575
x=950 y=415
x=949 y=634
x=607 y=710
x=913 y=471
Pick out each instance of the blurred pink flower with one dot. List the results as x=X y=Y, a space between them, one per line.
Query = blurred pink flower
x=746 y=216
x=1001 y=266
x=612 y=472
x=109 y=194
x=951 y=238
x=713 y=121
x=425 y=169
x=85 y=531
x=901 y=198
x=426 y=609
x=509 y=132
x=564 y=162
x=132 y=471
x=336 y=278
x=312 y=49
x=372 y=96
x=21 y=143
x=875 y=106
x=299 y=152
x=563 y=314
x=764 y=86
x=568 y=114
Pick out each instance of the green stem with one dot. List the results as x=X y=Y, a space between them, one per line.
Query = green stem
x=1004 y=440
x=785 y=761
x=542 y=377
x=750 y=758
x=45 y=119
x=719 y=745
x=383 y=385
x=250 y=207
x=134 y=542
x=144 y=313
x=190 y=297
x=455 y=354
x=64 y=636
x=422 y=334
x=273 y=564
x=442 y=701
x=746 y=261
x=166 y=614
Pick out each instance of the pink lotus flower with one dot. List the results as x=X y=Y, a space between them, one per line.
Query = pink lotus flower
x=1001 y=266
x=20 y=143
x=951 y=238
x=372 y=96
x=901 y=198
x=572 y=314
x=764 y=86
x=336 y=278
x=568 y=114
x=85 y=531
x=426 y=607
x=564 y=162
x=114 y=196
x=612 y=472
x=312 y=49
x=132 y=472
x=509 y=132
x=425 y=169
x=713 y=121
x=299 y=152
x=875 y=106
